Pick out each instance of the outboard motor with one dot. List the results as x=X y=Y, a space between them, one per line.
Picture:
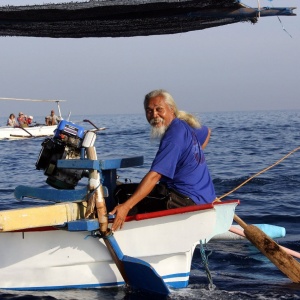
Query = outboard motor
x=66 y=144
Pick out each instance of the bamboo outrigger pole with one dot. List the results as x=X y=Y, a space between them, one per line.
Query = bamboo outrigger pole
x=278 y=256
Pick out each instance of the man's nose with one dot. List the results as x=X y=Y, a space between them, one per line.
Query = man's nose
x=155 y=113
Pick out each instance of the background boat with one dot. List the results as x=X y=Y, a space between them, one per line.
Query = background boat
x=16 y=133
x=36 y=130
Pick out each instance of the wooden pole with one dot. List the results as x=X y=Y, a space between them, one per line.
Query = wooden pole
x=241 y=233
x=98 y=201
x=97 y=197
x=282 y=260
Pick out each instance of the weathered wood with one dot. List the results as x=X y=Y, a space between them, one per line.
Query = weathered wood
x=282 y=260
x=240 y=232
x=43 y=216
x=97 y=203
x=97 y=200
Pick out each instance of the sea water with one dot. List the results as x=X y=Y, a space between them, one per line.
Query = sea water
x=241 y=145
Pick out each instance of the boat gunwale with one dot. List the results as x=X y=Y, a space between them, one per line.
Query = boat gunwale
x=141 y=217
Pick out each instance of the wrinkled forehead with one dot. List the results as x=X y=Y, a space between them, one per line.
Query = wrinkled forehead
x=155 y=102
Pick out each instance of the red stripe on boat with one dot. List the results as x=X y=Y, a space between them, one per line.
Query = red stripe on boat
x=175 y=211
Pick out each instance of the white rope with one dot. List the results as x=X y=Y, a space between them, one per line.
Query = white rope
x=33 y=100
x=260 y=172
x=281 y=22
x=283 y=27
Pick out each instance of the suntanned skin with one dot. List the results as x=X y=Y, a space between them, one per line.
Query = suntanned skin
x=157 y=109
x=206 y=140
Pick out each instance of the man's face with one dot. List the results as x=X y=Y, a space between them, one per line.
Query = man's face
x=158 y=113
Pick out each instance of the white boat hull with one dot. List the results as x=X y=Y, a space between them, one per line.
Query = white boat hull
x=58 y=259
x=16 y=133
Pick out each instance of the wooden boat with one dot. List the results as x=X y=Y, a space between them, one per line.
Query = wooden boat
x=32 y=131
x=69 y=255
x=17 y=133
x=48 y=247
x=55 y=247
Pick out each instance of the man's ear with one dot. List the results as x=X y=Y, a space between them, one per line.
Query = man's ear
x=173 y=110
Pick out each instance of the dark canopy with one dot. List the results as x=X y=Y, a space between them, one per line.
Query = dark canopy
x=123 y=18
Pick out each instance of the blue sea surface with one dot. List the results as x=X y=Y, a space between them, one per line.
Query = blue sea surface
x=241 y=145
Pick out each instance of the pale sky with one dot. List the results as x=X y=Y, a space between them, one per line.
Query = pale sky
x=230 y=68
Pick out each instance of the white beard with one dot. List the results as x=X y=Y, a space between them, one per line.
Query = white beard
x=157 y=132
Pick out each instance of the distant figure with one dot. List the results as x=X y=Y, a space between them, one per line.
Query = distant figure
x=29 y=120
x=12 y=121
x=22 y=120
x=52 y=119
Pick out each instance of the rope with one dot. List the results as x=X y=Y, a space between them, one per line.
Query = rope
x=281 y=23
x=258 y=8
x=92 y=192
x=260 y=172
x=211 y=285
x=283 y=27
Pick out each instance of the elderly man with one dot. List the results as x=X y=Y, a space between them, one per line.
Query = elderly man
x=179 y=163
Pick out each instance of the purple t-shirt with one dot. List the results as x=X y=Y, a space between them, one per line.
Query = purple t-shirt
x=181 y=162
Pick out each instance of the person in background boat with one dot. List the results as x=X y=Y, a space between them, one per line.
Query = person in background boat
x=53 y=119
x=11 y=121
x=29 y=120
x=179 y=166
x=22 y=120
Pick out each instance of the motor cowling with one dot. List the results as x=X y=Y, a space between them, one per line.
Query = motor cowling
x=66 y=144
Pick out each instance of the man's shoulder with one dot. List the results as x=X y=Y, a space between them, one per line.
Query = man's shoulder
x=176 y=131
x=175 y=126
x=178 y=123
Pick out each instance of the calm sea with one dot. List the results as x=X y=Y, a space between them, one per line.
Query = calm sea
x=242 y=144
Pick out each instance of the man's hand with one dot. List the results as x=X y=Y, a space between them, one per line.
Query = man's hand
x=121 y=212
x=143 y=189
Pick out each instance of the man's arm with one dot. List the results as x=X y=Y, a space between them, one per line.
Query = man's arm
x=207 y=139
x=144 y=188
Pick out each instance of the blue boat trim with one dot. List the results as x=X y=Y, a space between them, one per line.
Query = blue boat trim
x=103 y=164
x=140 y=274
x=178 y=284
x=175 y=284
x=68 y=287
x=83 y=225
x=53 y=195
x=176 y=275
